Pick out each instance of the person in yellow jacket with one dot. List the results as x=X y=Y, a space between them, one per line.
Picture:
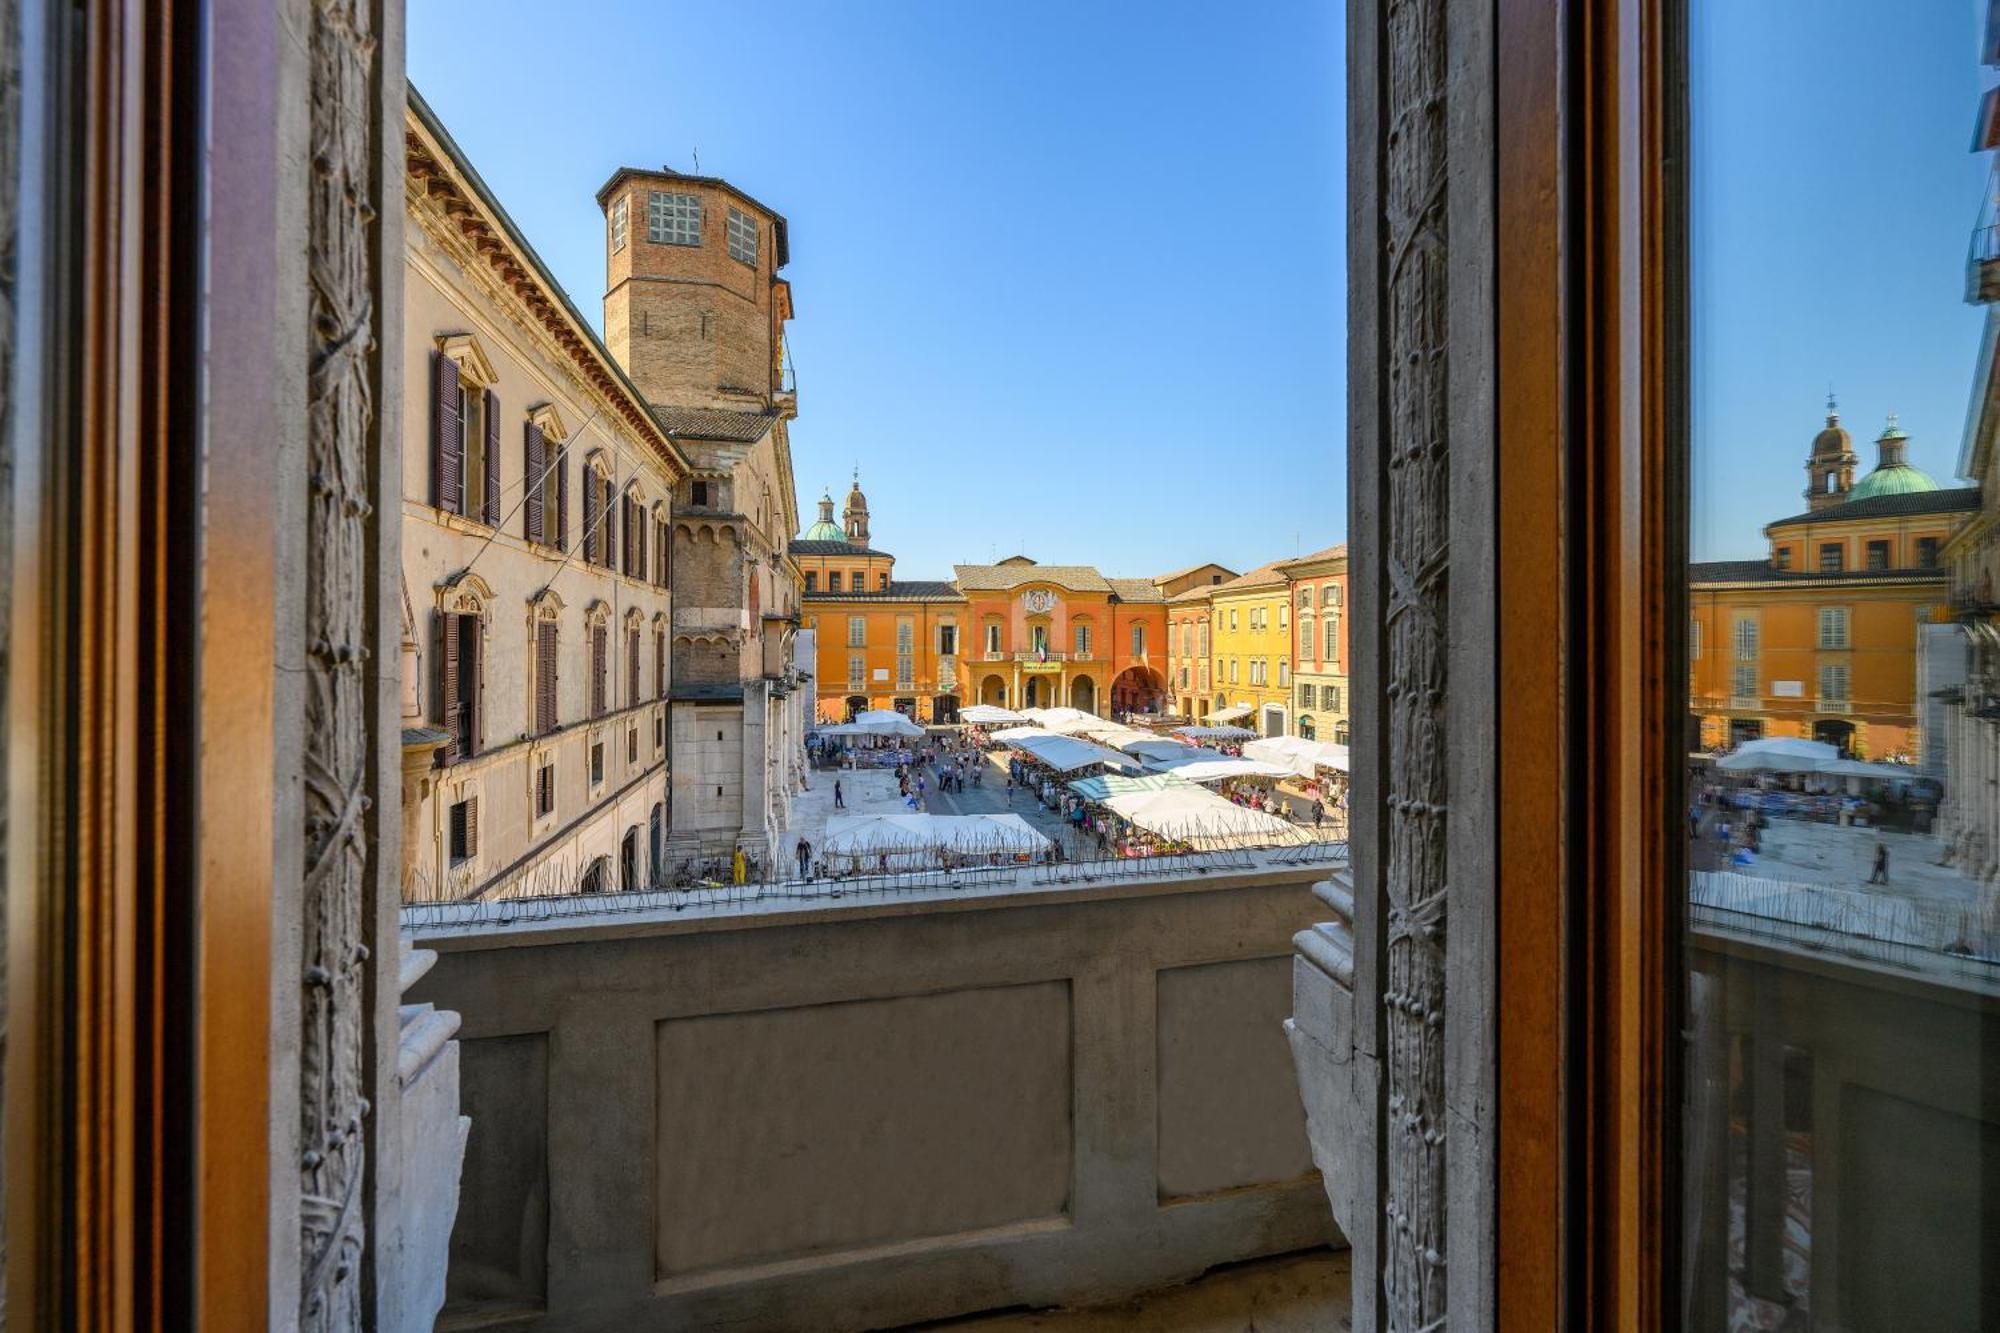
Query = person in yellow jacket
x=737 y=866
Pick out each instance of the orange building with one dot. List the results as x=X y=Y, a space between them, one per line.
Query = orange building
x=1819 y=638
x=1016 y=633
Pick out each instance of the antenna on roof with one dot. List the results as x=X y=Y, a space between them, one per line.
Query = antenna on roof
x=697 y=161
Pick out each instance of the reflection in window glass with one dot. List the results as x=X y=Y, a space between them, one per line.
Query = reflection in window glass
x=1841 y=1131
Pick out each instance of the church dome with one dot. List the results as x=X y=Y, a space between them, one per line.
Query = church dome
x=1894 y=475
x=825 y=529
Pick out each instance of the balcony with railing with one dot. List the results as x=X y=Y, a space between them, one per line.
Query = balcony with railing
x=1982 y=260
x=1032 y=655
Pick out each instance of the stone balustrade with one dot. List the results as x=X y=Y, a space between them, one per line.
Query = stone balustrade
x=872 y=1111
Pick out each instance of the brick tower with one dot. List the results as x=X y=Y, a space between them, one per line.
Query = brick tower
x=693 y=305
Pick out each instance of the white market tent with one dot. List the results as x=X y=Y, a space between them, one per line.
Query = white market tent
x=1201 y=819
x=988 y=715
x=1154 y=748
x=913 y=841
x=1231 y=713
x=1859 y=768
x=1297 y=755
x=1215 y=733
x=885 y=722
x=1212 y=766
x=1067 y=721
x=1779 y=754
x=1116 y=735
x=1012 y=735
x=1066 y=754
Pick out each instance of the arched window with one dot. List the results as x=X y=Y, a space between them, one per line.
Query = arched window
x=458 y=654
x=634 y=626
x=597 y=629
x=600 y=515
x=545 y=479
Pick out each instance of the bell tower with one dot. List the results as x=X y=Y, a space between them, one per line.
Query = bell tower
x=1830 y=465
x=694 y=308
x=855 y=514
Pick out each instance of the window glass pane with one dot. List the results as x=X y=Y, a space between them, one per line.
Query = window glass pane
x=1843 y=726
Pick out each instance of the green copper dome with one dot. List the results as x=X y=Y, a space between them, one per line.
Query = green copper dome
x=825 y=530
x=1893 y=475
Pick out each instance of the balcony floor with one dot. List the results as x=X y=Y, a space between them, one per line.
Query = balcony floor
x=1295 y=1293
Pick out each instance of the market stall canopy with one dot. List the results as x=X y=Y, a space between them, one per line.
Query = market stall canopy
x=1013 y=735
x=1067 y=721
x=1215 y=733
x=1297 y=755
x=913 y=839
x=986 y=715
x=1213 y=766
x=1066 y=754
x=1152 y=747
x=1115 y=735
x=886 y=722
x=1189 y=814
x=1106 y=785
x=1779 y=754
x=1858 y=768
x=1231 y=713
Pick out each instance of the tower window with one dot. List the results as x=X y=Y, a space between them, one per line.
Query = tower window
x=1832 y=559
x=698 y=493
x=812 y=580
x=1782 y=558
x=833 y=580
x=742 y=237
x=1927 y=552
x=673 y=219
x=620 y=214
x=1878 y=555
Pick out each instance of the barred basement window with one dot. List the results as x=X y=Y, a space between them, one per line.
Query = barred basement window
x=619 y=213
x=673 y=219
x=742 y=237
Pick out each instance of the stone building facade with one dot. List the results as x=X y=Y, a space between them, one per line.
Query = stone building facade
x=1016 y=633
x=1319 y=644
x=535 y=565
x=1819 y=638
x=694 y=310
x=1251 y=684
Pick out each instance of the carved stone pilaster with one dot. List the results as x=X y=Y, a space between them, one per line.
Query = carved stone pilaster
x=1416 y=533
x=338 y=758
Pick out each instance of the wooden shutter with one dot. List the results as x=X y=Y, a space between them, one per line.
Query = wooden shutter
x=471 y=827
x=608 y=548
x=545 y=676
x=660 y=538
x=490 y=509
x=448 y=435
x=444 y=642
x=534 y=459
x=597 y=655
x=660 y=663
x=562 y=499
x=590 y=533
x=475 y=680
x=632 y=666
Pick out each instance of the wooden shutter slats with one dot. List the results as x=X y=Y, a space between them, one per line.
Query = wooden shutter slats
x=632 y=666
x=444 y=640
x=475 y=680
x=448 y=435
x=609 y=545
x=471 y=827
x=545 y=677
x=590 y=532
x=490 y=508
x=534 y=461
x=562 y=499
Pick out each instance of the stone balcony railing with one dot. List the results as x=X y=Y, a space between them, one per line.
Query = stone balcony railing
x=1047 y=1087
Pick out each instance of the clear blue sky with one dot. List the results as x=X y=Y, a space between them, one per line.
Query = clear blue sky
x=1834 y=194
x=1068 y=277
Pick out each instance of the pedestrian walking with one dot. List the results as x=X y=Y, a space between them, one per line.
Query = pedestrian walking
x=839 y=801
x=1319 y=813
x=1880 y=874
x=805 y=859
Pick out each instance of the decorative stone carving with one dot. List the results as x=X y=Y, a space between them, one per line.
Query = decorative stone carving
x=1416 y=543
x=334 y=1010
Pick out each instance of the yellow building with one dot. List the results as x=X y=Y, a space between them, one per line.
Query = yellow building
x=1318 y=585
x=1250 y=621
x=1819 y=638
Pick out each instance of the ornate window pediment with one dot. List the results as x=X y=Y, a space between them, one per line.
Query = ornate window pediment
x=554 y=429
x=473 y=367
x=465 y=593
